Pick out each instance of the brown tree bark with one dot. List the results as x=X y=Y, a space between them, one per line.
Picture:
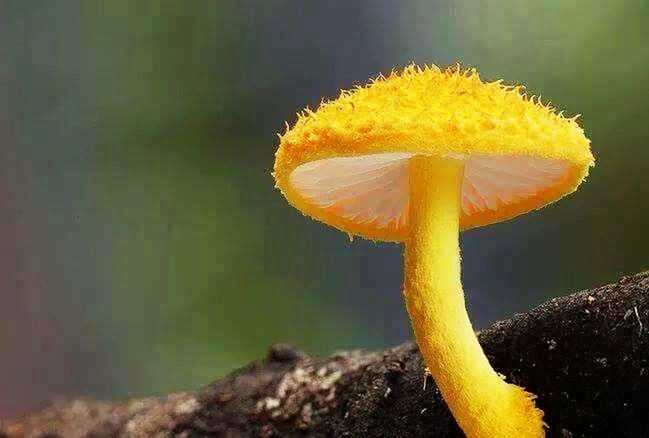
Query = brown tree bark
x=586 y=356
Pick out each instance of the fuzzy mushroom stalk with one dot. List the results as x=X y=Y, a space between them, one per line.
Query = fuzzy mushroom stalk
x=481 y=402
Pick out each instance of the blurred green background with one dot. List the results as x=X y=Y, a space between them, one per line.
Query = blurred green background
x=143 y=248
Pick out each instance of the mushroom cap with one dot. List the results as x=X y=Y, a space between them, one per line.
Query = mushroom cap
x=346 y=164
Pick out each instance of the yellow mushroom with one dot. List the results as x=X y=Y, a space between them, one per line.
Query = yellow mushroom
x=416 y=157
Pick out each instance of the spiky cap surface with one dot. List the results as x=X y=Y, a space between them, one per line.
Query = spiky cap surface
x=427 y=110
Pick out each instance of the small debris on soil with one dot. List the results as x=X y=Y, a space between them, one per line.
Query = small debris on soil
x=635 y=309
x=283 y=353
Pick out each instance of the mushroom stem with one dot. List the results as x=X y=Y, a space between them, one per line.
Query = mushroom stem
x=482 y=403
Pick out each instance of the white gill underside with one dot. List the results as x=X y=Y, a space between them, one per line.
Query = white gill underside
x=375 y=187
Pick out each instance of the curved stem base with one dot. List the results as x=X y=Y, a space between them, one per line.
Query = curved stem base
x=482 y=403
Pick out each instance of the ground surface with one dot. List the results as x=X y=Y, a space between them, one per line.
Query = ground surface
x=586 y=356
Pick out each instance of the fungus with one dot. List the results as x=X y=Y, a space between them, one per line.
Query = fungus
x=416 y=157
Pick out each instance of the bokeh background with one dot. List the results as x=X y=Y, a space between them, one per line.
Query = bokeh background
x=143 y=248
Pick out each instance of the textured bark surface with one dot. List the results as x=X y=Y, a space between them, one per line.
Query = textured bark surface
x=586 y=356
